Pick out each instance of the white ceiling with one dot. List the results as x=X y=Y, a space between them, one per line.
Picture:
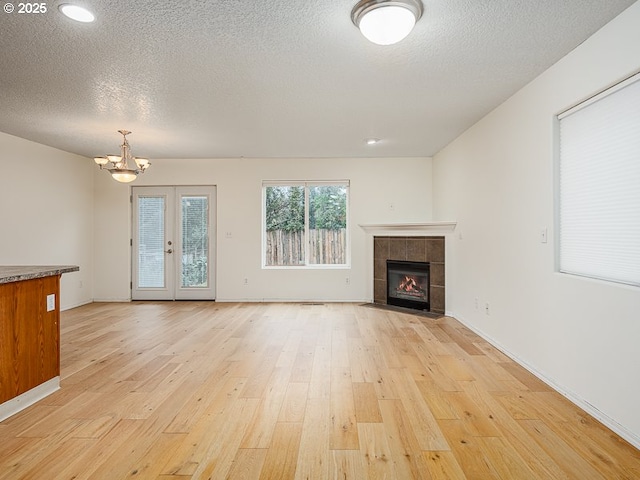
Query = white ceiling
x=257 y=78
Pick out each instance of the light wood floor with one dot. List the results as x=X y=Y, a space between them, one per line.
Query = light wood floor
x=182 y=390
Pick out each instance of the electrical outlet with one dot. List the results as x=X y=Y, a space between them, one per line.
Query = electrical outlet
x=51 y=302
x=347 y=281
x=486 y=308
x=246 y=281
x=543 y=235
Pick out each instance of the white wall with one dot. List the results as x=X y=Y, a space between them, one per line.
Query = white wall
x=375 y=185
x=497 y=181
x=46 y=213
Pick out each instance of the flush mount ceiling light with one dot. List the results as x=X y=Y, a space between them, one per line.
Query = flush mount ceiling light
x=385 y=22
x=120 y=165
x=74 y=12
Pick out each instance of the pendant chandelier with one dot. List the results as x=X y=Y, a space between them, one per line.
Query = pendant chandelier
x=385 y=22
x=121 y=166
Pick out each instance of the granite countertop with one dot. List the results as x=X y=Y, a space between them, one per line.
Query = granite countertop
x=17 y=273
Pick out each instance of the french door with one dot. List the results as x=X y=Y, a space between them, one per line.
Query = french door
x=173 y=243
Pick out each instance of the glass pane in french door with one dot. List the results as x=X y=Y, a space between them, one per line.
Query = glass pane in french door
x=195 y=241
x=151 y=242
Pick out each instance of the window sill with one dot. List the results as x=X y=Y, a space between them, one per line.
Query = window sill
x=307 y=267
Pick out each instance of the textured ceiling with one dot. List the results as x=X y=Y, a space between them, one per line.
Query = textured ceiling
x=251 y=78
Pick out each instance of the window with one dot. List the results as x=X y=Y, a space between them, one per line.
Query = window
x=195 y=241
x=151 y=242
x=599 y=186
x=305 y=224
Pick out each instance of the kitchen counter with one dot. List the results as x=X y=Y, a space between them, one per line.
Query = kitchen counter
x=29 y=334
x=17 y=273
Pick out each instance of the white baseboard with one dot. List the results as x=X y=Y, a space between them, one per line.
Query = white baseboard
x=111 y=300
x=286 y=300
x=75 y=305
x=609 y=422
x=13 y=406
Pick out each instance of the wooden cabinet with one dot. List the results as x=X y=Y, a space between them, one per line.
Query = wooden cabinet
x=29 y=335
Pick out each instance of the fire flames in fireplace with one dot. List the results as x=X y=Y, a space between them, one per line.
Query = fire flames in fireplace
x=409 y=286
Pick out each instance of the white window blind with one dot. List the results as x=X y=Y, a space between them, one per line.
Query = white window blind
x=151 y=242
x=599 y=186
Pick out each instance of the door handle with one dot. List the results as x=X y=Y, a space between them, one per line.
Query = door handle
x=168 y=251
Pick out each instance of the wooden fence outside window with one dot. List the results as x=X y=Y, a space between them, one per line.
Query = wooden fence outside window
x=326 y=247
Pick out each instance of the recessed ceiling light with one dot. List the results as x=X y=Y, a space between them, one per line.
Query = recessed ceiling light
x=372 y=141
x=76 y=13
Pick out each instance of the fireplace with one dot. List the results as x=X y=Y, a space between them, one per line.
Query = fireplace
x=414 y=249
x=408 y=284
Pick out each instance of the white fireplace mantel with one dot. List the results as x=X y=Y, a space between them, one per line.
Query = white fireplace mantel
x=408 y=229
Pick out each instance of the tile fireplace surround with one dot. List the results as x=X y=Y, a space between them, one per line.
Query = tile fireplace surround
x=416 y=249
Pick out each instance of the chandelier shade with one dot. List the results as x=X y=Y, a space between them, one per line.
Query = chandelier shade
x=385 y=22
x=124 y=168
